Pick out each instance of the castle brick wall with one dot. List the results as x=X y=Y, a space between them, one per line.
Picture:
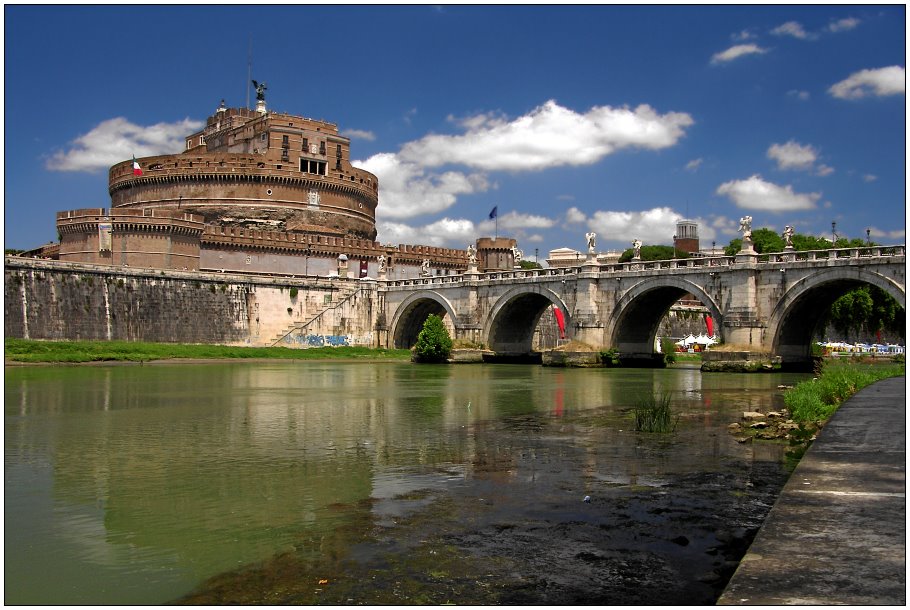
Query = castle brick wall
x=59 y=301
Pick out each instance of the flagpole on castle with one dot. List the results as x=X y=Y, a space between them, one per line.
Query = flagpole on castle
x=495 y=216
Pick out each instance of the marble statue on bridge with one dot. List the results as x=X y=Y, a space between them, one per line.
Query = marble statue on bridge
x=788 y=236
x=590 y=237
x=745 y=225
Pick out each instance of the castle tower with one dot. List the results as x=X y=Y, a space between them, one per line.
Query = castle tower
x=495 y=254
x=251 y=170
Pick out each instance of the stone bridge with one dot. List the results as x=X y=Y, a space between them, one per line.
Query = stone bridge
x=764 y=303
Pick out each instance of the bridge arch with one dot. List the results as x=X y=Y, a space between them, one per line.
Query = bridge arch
x=413 y=311
x=795 y=319
x=510 y=325
x=633 y=325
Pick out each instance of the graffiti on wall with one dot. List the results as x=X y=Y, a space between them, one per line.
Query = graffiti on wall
x=327 y=340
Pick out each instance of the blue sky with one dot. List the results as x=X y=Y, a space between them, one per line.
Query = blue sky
x=613 y=119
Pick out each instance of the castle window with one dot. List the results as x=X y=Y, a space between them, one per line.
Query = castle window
x=201 y=140
x=306 y=144
x=322 y=147
x=309 y=166
x=338 y=151
x=284 y=141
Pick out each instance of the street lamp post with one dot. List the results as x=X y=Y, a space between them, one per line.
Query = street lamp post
x=834 y=232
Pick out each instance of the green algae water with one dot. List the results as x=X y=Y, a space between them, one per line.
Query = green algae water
x=330 y=482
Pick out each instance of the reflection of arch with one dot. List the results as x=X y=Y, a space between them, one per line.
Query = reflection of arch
x=510 y=326
x=411 y=314
x=796 y=317
x=636 y=317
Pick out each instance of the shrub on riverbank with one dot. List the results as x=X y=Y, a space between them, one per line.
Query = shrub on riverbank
x=818 y=399
x=23 y=350
x=433 y=341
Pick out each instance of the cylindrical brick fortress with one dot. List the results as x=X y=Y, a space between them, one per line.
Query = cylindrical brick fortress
x=267 y=171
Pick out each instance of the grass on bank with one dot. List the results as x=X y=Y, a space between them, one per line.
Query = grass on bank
x=23 y=350
x=817 y=399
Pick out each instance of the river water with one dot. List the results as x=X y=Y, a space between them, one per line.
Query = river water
x=379 y=483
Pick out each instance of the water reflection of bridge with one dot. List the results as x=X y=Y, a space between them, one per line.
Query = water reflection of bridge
x=770 y=303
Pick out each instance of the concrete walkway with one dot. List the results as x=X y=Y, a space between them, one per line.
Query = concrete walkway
x=837 y=533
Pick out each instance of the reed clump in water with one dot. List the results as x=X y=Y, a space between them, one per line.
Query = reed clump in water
x=653 y=414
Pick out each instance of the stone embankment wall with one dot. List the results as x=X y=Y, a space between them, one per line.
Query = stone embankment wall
x=59 y=301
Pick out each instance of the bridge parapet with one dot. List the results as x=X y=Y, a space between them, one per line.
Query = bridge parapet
x=712 y=264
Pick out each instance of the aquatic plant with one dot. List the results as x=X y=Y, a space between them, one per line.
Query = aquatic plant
x=653 y=414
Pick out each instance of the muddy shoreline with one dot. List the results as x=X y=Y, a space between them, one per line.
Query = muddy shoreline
x=518 y=531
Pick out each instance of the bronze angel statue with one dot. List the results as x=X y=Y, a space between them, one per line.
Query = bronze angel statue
x=260 y=90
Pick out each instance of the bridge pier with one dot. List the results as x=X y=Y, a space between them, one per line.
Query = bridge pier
x=642 y=360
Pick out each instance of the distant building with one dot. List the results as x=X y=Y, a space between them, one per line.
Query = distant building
x=567 y=257
x=686 y=238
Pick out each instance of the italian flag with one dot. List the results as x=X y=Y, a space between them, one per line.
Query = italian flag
x=137 y=171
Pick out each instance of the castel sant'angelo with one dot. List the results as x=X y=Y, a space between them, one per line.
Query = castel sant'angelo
x=258 y=192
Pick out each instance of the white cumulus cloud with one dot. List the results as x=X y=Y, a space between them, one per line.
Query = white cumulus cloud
x=575 y=216
x=654 y=226
x=444 y=233
x=793 y=155
x=792 y=28
x=548 y=136
x=754 y=193
x=407 y=190
x=117 y=139
x=737 y=51
x=842 y=25
x=359 y=134
x=879 y=234
x=694 y=164
x=517 y=220
x=878 y=82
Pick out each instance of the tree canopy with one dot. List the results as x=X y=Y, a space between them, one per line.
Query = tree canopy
x=654 y=253
x=433 y=342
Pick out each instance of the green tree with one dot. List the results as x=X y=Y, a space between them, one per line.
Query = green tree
x=849 y=312
x=529 y=265
x=868 y=309
x=765 y=241
x=654 y=253
x=433 y=342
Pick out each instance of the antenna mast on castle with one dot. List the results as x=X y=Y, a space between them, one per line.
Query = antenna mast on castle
x=249 y=72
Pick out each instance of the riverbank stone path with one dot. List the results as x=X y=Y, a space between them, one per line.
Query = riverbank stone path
x=837 y=533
